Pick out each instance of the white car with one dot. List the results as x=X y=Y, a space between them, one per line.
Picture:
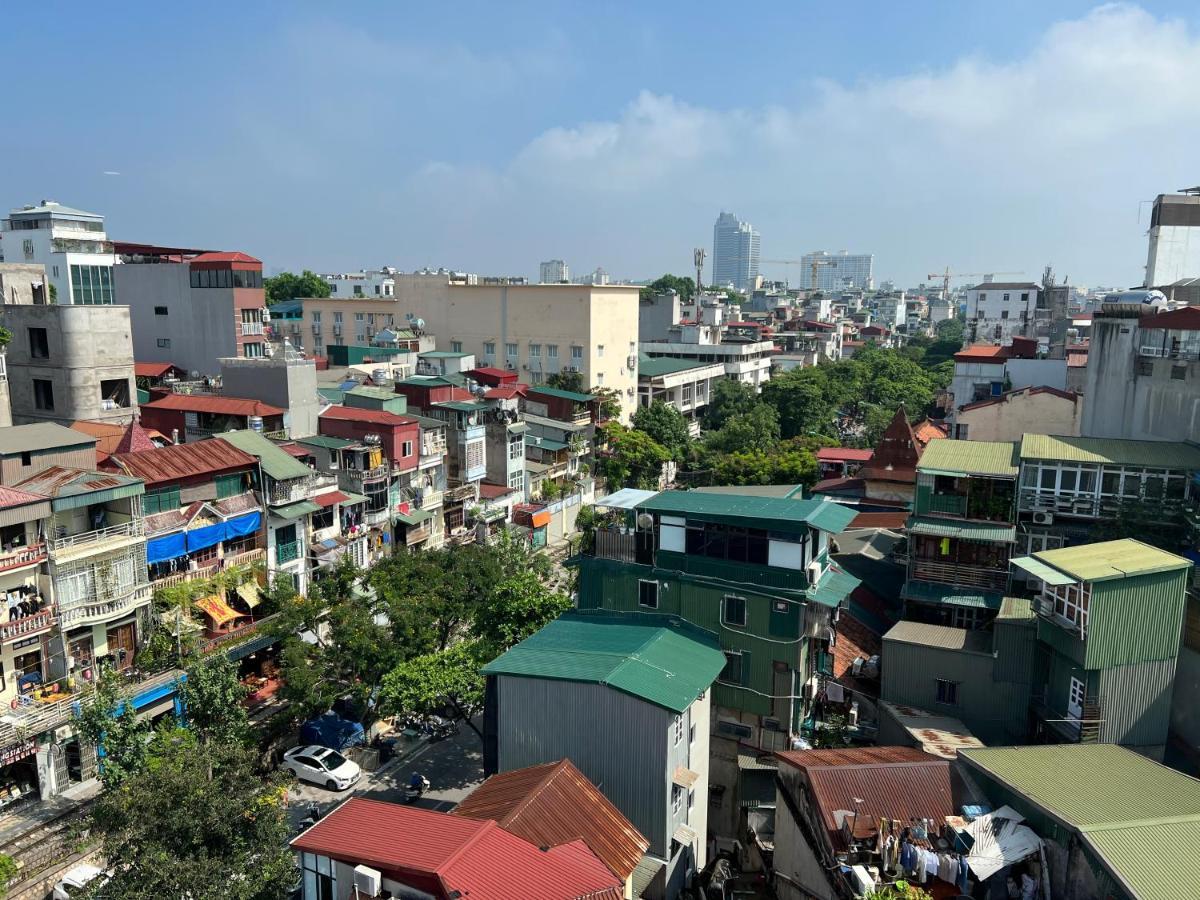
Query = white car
x=322 y=766
x=75 y=882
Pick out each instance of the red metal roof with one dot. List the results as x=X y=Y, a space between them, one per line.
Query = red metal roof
x=844 y=454
x=891 y=520
x=152 y=369
x=896 y=457
x=370 y=416
x=927 y=430
x=235 y=256
x=219 y=405
x=492 y=491
x=506 y=392
x=330 y=498
x=295 y=449
x=207 y=457
x=1029 y=391
x=441 y=854
x=1186 y=318
x=10 y=497
x=555 y=804
x=982 y=353
x=134 y=439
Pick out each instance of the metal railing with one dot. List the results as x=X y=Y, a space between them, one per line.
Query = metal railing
x=291 y=491
x=245 y=558
x=285 y=553
x=1081 y=729
x=42 y=620
x=616 y=545
x=948 y=504
x=238 y=634
x=23 y=556
x=127 y=529
x=252 y=328
x=368 y=474
x=963 y=574
x=92 y=611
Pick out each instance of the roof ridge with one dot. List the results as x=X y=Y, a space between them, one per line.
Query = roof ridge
x=1138 y=823
x=526 y=801
x=486 y=825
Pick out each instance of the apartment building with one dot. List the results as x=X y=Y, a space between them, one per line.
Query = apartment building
x=365 y=283
x=1001 y=310
x=986 y=371
x=196 y=416
x=192 y=307
x=533 y=329
x=72 y=247
x=1174 y=245
x=70 y=362
x=25 y=638
x=709 y=339
x=684 y=384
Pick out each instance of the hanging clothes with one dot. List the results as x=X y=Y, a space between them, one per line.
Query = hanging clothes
x=931 y=863
x=919 y=864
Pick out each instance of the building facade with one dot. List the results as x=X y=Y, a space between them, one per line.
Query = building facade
x=554 y=271
x=735 y=253
x=70 y=244
x=1174 y=249
x=999 y=311
x=838 y=271
x=367 y=283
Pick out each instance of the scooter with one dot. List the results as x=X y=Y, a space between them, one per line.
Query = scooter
x=314 y=815
x=415 y=789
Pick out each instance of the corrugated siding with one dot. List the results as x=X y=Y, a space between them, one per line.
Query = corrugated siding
x=761 y=576
x=617 y=741
x=1135 y=702
x=1136 y=619
x=1014 y=646
x=1126 y=850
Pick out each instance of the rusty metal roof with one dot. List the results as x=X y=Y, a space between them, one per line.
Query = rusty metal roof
x=59 y=481
x=11 y=497
x=210 y=403
x=369 y=416
x=180 y=461
x=554 y=804
x=852 y=756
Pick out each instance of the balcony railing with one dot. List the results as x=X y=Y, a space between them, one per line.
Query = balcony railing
x=23 y=556
x=252 y=328
x=377 y=517
x=291 y=491
x=239 y=634
x=368 y=474
x=93 y=541
x=962 y=574
x=285 y=553
x=91 y=611
x=26 y=626
x=1081 y=729
x=430 y=499
x=245 y=558
x=948 y=504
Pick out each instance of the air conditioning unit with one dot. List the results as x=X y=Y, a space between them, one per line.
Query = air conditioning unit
x=1043 y=518
x=63 y=734
x=367 y=881
x=814 y=573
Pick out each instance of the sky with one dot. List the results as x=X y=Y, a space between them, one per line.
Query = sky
x=985 y=137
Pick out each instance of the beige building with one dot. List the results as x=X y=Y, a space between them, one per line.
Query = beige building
x=533 y=329
x=1033 y=410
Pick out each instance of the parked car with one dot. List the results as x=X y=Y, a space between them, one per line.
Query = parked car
x=323 y=766
x=76 y=881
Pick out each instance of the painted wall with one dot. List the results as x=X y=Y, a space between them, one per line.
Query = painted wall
x=1017 y=414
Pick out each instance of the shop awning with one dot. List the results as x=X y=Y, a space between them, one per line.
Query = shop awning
x=1040 y=570
x=686 y=836
x=684 y=777
x=353 y=499
x=414 y=516
x=217 y=609
x=249 y=593
x=950 y=595
x=329 y=499
x=541 y=518
x=295 y=510
x=626 y=498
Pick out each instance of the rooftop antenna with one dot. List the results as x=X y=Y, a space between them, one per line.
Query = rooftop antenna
x=698 y=256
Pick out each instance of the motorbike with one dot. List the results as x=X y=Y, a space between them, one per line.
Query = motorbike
x=439 y=728
x=415 y=790
x=314 y=815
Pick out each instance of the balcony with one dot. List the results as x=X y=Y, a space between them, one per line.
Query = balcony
x=960 y=574
x=27 y=626
x=252 y=328
x=69 y=547
x=948 y=504
x=623 y=545
x=245 y=558
x=1081 y=729
x=430 y=499
x=377 y=517
x=22 y=557
x=286 y=553
x=91 y=612
x=292 y=491
x=238 y=635
x=361 y=475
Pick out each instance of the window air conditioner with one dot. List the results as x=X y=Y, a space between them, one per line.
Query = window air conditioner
x=367 y=881
x=1043 y=518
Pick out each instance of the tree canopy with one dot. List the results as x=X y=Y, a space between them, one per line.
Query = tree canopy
x=665 y=425
x=289 y=286
x=430 y=683
x=567 y=381
x=727 y=399
x=633 y=459
x=681 y=284
x=110 y=723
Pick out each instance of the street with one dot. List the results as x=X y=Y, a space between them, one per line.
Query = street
x=453 y=766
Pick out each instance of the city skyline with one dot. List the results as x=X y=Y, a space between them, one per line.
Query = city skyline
x=604 y=170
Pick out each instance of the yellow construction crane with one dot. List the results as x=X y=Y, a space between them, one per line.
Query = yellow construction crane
x=947 y=275
x=816 y=263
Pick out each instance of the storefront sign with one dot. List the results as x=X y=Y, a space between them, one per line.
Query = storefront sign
x=28 y=642
x=10 y=755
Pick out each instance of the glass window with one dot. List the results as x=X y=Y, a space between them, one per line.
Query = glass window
x=552 y=351
x=677 y=727
x=947 y=692
x=510 y=350
x=733 y=610
x=648 y=594
x=535 y=350
x=456 y=346
x=1049 y=477
x=1066 y=481
x=732 y=673
x=489 y=348
x=600 y=350
x=576 y=352
x=161 y=311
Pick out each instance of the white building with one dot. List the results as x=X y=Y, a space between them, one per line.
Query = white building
x=735 y=253
x=554 y=271
x=1174 y=251
x=891 y=311
x=998 y=311
x=838 y=271
x=70 y=243
x=367 y=283
x=682 y=383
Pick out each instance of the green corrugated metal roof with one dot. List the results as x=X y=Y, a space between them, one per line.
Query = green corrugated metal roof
x=416 y=517
x=1152 y=454
x=657 y=366
x=461 y=405
x=441 y=354
x=295 y=510
x=833 y=588
x=1037 y=569
x=143 y=396
x=940 y=636
x=1126 y=807
x=772 y=513
x=995 y=458
x=1016 y=609
x=967 y=531
x=278 y=464
x=782 y=491
x=375 y=393
x=661 y=659
x=928 y=592
x=544 y=443
x=559 y=392
x=332 y=395
x=322 y=440
x=1111 y=559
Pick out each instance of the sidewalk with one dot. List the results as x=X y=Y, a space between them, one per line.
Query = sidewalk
x=22 y=822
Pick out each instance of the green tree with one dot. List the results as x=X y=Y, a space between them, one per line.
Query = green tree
x=728 y=398
x=111 y=725
x=807 y=400
x=902 y=890
x=8 y=871
x=682 y=285
x=666 y=426
x=610 y=402
x=6 y=336
x=198 y=822
x=757 y=429
x=519 y=606
x=835 y=733
x=211 y=697
x=436 y=681
x=634 y=459
x=289 y=286
x=567 y=381
x=785 y=463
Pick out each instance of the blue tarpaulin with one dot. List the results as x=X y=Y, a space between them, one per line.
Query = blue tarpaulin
x=210 y=535
x=243 y=525
x=163 y=548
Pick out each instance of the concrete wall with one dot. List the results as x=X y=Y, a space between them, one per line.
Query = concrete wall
x=18 y=281
x=656 y=316
x=1016 y=414
x=1185 y=712
x=1173 y=254
x=87 y=345
x=288 y=384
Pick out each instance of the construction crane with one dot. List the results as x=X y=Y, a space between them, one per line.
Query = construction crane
x=816 y=263
x=947 y=275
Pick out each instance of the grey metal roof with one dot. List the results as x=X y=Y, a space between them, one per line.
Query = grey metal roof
x=940 y=636
x=41 y=436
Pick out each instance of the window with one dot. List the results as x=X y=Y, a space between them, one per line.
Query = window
x=489 y=348
x=982 y=297
x=960 y=431
x=535 y=351
x=1004 y=312
x=1006 y=298
x=165 y=499
x=456 y=346
x=114 y=393
x=677 y=726
x=92 y=285
x=1145 y=366
x=600 y=350
x=516 y=449
x=322 y=518
x=648 y=594
x=733 y=729
x=732 y=673
x=600 y=379
x=1025 y=297
x=43 y=393
x=337 y=317
x=229 y=485
x=676 y=798
x=691 y=800
x=947 y=692
x=1178 y=373
x=552 y=351
x=26 y=458
x=39 y=343
x=359 y=317
x=164 y=343
x=252 y=351
x=475 y=455
x=576 y=352
x=161 y=311
x=406 y=448
x=510 y=350
x=692 y=733
x=1069 y=603
x=516 y=481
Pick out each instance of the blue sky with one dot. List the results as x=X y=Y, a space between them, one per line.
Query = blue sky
x=491 y=136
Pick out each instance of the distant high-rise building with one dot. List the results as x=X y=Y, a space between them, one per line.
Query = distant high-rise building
x=838 y=271
x=555 y=271
x=1174 y=239
x=735 y=253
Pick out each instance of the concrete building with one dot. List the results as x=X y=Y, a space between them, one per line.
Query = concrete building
x=999 y=311
x=554 y=271
x=1174 y=251
x=70 y=362
x=838 y=271
x=367 y=283
x=735 y=253
x=535 y=330
x=984 y=371
x=287 y=381
x=710 y=339
x=684 y=384
x=191 y=308
x=23 y=284
x=1037 y=410
x=657 y=315
x=70 y=244
x=636 y=722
